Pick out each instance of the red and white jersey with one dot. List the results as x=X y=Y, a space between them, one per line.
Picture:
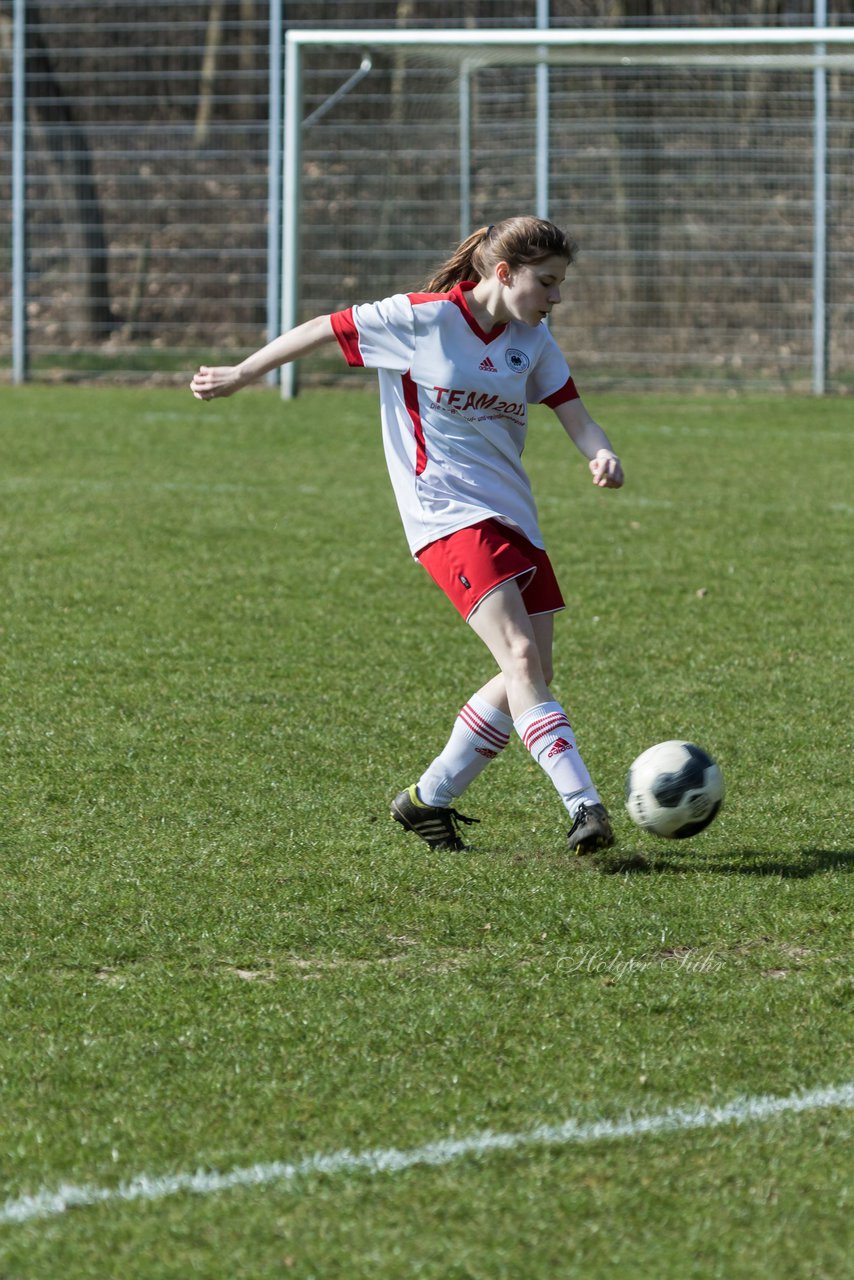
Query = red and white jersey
x=454 y=403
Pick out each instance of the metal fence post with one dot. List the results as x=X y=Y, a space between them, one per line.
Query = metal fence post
x=464 y=89
x=291 y=202
x=274 y=175
x=19 y=195
x=819 y=248
x=542 y=144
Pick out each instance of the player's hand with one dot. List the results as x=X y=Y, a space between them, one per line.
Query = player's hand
x=607 y=470
x=214 y=383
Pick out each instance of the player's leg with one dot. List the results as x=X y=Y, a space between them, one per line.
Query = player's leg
x=481 y=731
x=494 y=692
x=502 y=622
x=507 y=576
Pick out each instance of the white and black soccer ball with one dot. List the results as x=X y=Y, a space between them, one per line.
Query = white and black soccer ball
x=674 y=789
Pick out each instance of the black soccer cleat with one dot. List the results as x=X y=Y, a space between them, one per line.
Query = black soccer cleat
x=591 y=830
x=437 y=827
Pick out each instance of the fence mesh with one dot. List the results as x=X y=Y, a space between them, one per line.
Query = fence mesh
x=689 y=191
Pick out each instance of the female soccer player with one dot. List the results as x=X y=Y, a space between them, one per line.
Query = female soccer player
x=458 y=365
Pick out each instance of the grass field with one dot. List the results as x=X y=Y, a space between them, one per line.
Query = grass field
x=219 y=953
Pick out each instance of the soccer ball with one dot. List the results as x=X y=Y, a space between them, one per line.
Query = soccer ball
x=674 y=789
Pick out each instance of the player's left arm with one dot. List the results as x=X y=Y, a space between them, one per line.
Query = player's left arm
x=589 y=438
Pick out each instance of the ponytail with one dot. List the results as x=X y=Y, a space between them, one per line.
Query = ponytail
x=460 y=266
x=516 y=241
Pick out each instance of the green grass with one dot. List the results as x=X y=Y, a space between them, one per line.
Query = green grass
x=219 y=664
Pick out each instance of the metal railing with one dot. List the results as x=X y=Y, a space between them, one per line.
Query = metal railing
x=149 y=219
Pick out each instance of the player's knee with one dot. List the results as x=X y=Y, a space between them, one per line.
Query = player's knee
x=523 y=660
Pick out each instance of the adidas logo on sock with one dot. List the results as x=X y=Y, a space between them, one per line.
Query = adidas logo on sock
x=487 y=366
x=558 y=747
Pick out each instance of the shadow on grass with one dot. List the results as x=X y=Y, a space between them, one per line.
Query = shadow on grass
x=798 y=865
x=618 y=864
x=759 y=862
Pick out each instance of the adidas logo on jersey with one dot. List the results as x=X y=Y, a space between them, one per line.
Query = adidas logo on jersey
x=487 y=366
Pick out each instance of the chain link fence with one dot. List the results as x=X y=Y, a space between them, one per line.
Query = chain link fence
x=148 y=195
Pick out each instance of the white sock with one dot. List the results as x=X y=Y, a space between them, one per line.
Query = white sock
x=547 y=733
x=480 y=733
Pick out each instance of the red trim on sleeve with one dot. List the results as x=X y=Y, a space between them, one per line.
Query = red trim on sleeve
x=410 y=398
x=348 y=336
x=566 y=393
x=416 y=298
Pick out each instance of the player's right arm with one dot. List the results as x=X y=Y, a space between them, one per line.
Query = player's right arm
x=211 y=383
x=589 y=438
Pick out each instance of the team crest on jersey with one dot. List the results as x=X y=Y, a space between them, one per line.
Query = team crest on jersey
x=516 y=360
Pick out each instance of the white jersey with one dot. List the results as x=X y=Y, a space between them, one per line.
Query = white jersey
x=454 y=403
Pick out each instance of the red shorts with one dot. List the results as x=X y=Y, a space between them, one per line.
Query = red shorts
x=472 y=562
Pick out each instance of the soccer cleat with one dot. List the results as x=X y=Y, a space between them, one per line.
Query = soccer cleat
x=591 y=830
x=437 y=827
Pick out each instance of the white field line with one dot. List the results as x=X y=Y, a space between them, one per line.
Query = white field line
x=47 y=1204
